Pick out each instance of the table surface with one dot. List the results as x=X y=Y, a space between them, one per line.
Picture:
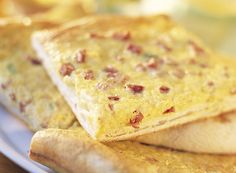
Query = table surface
x=7 y=166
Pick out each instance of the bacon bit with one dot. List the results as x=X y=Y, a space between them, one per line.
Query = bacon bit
x=164 y=46
x=197 y=49
x=121 y=36
x=136 y=88
x=96 y=35
x=154 y=63
x=170 y=110
x=134 y=48
x=179 y=73
x=138 y=117
x=36 y=62
x=33 y=60
x=164 y=89
x=115 y=98
x=81 y=56
x=5 y=85
x=22 y=105
x=111 y=71
x=12 y=96
x=111 y=107
x=210 y=83
x=89 y=75
x=66 y=69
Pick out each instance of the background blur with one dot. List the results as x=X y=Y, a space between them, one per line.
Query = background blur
x=212 y=20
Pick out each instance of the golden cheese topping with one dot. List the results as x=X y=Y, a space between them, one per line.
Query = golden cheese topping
x=126 y=76
x=25 y=87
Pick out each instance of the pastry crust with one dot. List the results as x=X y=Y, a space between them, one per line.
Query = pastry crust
x=162 y=77
x=213 y=135
x=68 y=156
x=74 y=151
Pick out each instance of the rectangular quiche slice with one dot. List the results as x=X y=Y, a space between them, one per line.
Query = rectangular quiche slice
x=128 y=76
x=25 y=88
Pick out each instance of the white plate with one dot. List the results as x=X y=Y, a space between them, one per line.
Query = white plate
x=14 y=143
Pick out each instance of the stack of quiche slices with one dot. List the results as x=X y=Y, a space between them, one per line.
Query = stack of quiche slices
x=119 y=94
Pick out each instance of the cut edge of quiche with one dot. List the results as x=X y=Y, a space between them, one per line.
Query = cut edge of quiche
x=98 y=116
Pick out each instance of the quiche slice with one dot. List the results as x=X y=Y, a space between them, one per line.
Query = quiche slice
x=23 y=80
x=25 y=88
x=72 y=151
x=129 y=76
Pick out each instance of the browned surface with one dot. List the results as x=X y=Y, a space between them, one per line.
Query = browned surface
x=7 y=166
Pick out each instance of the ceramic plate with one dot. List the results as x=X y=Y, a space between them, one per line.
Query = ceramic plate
x=15 y=141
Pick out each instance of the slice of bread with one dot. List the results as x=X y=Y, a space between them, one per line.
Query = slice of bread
x=73 y=151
